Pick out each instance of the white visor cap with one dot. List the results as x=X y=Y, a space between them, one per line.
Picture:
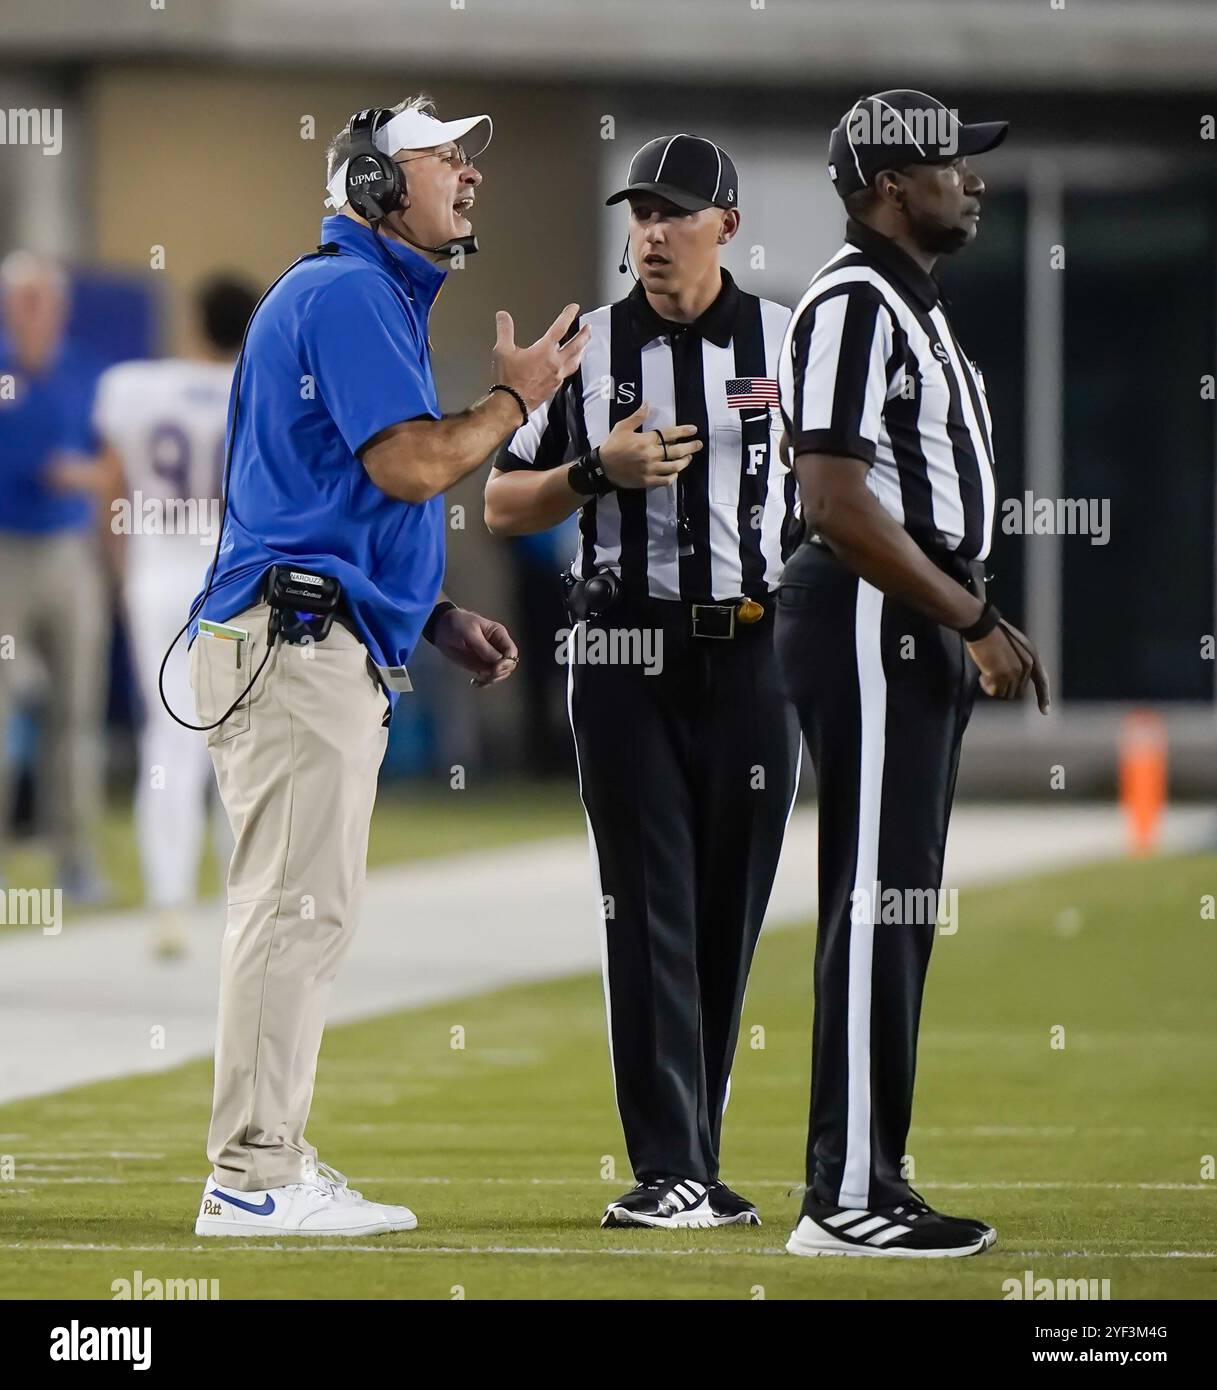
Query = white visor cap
x=411 y=130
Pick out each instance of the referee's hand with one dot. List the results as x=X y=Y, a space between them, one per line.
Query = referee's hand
x=536 y=372
x=648 y=459
x=1008 y=660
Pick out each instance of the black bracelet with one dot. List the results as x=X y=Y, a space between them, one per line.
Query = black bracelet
x=445 y=605
x=511 y=391
x=587 y=476
x=988 y=620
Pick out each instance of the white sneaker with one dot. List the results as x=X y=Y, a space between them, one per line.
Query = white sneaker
x=401 y=1218
x=322 y=1204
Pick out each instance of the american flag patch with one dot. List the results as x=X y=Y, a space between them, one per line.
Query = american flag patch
x=746 y=391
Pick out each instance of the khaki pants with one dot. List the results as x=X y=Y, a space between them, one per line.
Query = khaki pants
x=296 y=765
x=54 y=603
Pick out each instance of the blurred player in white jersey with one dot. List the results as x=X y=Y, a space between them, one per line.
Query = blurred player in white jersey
x=163 y=424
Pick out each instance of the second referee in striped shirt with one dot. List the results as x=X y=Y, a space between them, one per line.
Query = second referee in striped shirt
x=668 y=443
x=884 y=632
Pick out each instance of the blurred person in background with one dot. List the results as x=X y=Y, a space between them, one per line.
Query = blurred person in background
x=163 y=425
x=54 y=601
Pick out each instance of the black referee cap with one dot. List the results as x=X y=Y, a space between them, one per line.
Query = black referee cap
x=890 y=130
x=686 y=170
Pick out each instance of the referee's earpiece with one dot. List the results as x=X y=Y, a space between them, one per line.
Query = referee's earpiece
x=375 y=183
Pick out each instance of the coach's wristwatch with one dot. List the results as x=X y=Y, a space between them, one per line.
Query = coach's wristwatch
x=587 y=476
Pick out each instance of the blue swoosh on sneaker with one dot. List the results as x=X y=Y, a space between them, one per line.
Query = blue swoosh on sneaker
x=263 y=1208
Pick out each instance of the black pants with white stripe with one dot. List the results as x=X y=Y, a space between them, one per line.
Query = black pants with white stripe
x=687 y=777
x=883 y=696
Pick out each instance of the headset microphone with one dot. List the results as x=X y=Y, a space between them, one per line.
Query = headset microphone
x=459 y=245
x=456 y=246
x=625 y=259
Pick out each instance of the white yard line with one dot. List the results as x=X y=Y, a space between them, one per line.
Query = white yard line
x=91 y=1003
x=25 y=1175
x=342 y=1246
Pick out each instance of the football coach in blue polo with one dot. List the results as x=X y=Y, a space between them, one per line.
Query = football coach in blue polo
x=329 y=569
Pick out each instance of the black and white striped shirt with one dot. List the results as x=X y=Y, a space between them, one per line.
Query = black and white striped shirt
x=872 y=369
x=739 y=495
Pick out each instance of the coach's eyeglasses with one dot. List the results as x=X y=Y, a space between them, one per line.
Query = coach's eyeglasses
x=452 y=157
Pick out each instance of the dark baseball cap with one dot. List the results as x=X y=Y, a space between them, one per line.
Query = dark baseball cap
x=686 y=170
x=891 y=130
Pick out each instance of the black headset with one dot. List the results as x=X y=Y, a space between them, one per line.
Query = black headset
x=376 y=184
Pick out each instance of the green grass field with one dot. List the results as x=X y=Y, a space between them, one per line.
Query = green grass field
x=1088 y=1158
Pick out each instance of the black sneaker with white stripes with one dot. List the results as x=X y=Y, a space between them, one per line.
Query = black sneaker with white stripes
x=730 y=1209
x=907 y=1230
x=663 y=1202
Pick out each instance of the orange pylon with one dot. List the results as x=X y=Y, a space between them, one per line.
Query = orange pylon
x=1143 y=778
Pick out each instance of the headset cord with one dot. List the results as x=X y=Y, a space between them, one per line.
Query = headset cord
x=202 y=728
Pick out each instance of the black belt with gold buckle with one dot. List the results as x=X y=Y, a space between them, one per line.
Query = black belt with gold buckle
x=718 y=620
x=715 y=620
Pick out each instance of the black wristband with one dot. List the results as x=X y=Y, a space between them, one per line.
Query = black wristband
x=587 y=476
x=988 y=620
x=511 y=391
x=445 y=605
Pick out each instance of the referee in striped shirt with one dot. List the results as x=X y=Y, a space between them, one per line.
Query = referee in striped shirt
x=668 y=444
x=883 y=631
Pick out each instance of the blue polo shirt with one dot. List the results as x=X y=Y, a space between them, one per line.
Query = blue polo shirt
x=337 y=352
x=42 y=414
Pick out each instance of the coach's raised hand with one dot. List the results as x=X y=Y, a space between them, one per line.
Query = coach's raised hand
x=418 y=459
x=536 y=372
